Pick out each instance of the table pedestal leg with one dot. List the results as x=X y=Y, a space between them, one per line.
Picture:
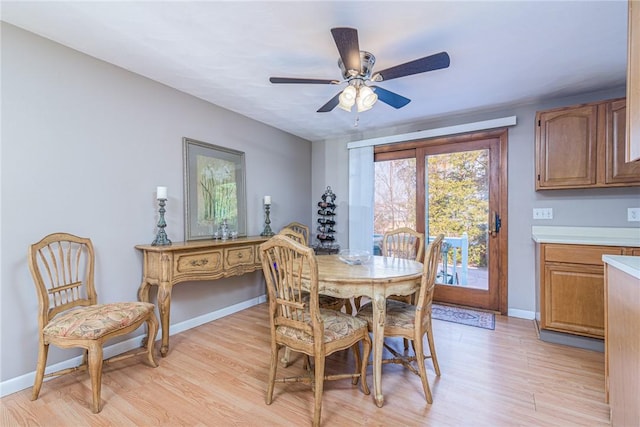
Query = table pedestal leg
x=379 y=311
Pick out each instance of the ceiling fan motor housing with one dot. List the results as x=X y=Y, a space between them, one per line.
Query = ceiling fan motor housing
x=367 y=60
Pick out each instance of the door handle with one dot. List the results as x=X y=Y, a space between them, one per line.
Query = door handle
x=496 y=223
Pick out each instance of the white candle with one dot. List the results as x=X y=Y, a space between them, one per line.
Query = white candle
x=267 y=200
x=161 y=193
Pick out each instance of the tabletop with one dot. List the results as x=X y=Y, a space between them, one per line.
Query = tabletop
x=379 y=269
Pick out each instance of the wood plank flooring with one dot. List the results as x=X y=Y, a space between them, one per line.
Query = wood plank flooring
x=215 y=375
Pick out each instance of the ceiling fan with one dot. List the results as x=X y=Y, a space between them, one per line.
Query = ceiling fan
x=357 y=65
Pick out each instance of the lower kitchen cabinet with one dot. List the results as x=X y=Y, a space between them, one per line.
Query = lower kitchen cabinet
x=572 y=287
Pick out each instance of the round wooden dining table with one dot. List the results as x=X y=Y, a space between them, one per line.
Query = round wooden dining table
x=377 y=279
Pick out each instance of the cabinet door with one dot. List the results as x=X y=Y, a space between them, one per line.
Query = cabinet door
x=633 y=83
x=566 y=147
x=574 y=299
x=616 y=168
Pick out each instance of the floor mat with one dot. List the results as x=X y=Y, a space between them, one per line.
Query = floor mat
x=464 y=316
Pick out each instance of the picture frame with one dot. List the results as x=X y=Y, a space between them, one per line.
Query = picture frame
x=214 y=190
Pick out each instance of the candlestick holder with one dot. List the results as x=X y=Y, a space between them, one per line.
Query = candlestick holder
x=267 y=227
x=161 y=238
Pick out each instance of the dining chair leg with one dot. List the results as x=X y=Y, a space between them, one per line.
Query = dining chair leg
x=432 y=350
x=284 y=361
x=419 y=349
x=42 y=364
x=366 y=352
x=356 y=356
x=319 y=387
x=273 y=365
x=95 y=373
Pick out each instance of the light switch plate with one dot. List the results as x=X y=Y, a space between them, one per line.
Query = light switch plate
x=542 y=213
x=633 y=214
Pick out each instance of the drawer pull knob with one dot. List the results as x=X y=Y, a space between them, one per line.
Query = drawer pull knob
x=200 y=263
x=240 y=255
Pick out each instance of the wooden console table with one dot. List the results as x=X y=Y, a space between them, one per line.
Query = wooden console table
x=165 y=266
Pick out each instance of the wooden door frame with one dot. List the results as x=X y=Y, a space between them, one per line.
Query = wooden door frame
x=501 y=248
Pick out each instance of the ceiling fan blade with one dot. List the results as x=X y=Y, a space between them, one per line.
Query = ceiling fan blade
x=295 y=80
x=391 y=98
x=428 y=63
x=347 y=43
x=333 y=102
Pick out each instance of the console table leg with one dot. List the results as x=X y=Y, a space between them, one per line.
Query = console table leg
x=164 y=305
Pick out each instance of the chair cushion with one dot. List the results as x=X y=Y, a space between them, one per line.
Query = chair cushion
x=95 y=321
x=336 y=325
x=325 y=301
x=399 y=314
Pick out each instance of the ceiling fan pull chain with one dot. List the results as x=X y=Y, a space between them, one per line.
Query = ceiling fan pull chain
x=355 y=124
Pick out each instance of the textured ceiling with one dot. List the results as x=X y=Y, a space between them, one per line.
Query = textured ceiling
x=502 y=53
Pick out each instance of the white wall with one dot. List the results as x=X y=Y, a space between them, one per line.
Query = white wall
x=84 y=145
x=597 y=207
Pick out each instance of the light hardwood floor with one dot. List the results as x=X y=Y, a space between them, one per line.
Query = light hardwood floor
x=215 y=375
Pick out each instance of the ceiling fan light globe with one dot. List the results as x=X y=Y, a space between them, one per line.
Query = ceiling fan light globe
x=366 y=98
x=348 y=95
x=362 y=106
x=347 y=98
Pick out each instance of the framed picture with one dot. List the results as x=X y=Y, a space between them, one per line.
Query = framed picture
x=214 y=190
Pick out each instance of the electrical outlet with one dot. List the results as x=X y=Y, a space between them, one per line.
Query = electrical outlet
x=633 y=214
x=542 y=213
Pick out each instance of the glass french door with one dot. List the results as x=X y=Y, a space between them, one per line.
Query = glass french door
x=454 y=186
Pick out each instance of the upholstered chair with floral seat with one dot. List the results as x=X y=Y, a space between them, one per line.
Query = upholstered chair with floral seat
x=413 y=321
x=302 y=325
x=69 y=316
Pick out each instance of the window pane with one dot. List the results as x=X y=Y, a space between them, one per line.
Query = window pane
x=395 y=197
x=458 y=207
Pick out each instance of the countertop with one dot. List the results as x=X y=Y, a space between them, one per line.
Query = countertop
x=628 y=264
x=603 y=236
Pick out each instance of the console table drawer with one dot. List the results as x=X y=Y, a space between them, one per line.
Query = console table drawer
x=201 y=262
x=234 y=257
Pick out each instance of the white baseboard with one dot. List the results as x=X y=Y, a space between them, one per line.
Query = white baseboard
x=25 y=381
x=522 y=314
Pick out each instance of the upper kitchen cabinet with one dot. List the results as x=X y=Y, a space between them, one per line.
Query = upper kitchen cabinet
x=583 y=146
x=633 y=83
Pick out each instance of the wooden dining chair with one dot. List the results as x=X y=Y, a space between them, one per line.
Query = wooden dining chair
x=69 y=316
x=296 y=231
x=302 y=325
x=413 y=321
x=299 y=228
x=403 y=242
x=325 y=300
x=406 y=243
